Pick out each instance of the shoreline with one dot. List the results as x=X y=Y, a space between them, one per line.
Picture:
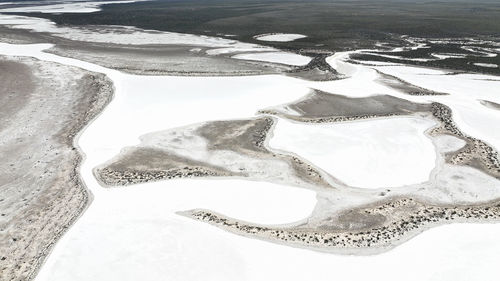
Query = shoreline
x=92 y=93
x=82 y=130
x=364 y=242
x=89 y=196
x=84 y=167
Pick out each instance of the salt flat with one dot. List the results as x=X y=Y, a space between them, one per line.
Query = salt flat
x=389 y=152
x=127 y=95
x=99 y=244
x=465 y=91
x=277 y=57
x=279 y=37
x=147 y=242
x=116 y=214
x=115 y=34
x=134 y=232
x=360 y=82
x=490 y=65
x=129 y=35
x=64 y=7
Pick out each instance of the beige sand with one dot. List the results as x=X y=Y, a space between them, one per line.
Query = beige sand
x=41 y=193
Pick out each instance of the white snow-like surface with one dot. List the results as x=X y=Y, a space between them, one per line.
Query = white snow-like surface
x=127 y=35
x=174 y=249
x=132 y=233
x=238 y=49
x=464 y=92
x=65 y=7
x=138 y=218
x=361 y=81
x=185 y=142
x=448 y=56
x=489 y=65
x=377 y=63
x=280 y=37
x=276 y=57
x=376 y=153
x=397 y=57
x=483 y=52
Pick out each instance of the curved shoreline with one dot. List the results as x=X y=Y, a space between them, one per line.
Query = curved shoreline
x=58 y=196
x=89 y=197
x=81 y=170
x=87 y=65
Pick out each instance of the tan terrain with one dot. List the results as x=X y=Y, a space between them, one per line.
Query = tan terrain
x=44 y=107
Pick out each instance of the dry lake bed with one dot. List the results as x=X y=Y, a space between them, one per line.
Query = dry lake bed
x=139 y=153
